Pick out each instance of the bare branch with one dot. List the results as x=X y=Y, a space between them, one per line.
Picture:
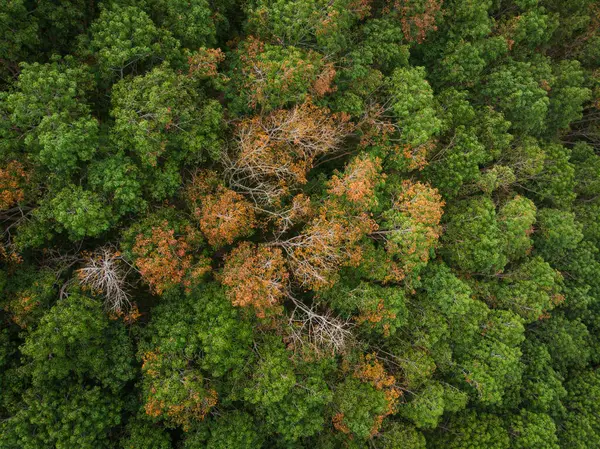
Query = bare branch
x=104 y=273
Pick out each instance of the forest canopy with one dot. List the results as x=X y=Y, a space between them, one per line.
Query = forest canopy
x=328 y=224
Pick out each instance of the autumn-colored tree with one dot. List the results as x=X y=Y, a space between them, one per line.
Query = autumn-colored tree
x=13 y=178
x=204 y=64
x=164 y=250
x=356 y=187
x=256 y=276
x=327 y=243
x=418 y=17
x=410 y=229
x=28 y=294
x=223 y=215
x=275 y=151
x=330 y=240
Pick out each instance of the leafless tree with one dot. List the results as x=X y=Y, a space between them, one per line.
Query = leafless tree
x=322 y=332
x=105 y=272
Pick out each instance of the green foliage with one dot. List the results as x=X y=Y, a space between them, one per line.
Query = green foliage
x=74 y=416
x=557 y=234
x=530 y=289
x=516 y=219
x=266 y=77
x=555 y=183
x=430 y=403
x=120 y=181
x=304 y=22
x=542 y=388
x=272 y=377
x=412 y=105
x=473 y=430
x=160 y=116
x=400 y=435
x=567 y=95
x=533 y=430
x=378 y=309
x=457 y=162
x=190 y=22
x=236 y=429
x=79 y=212
x=19 y=35
x=75 y=340
x=141 y=433
x=566 y=341
x=125 y=40
x=46 y=97
x=360 y=403
x=212 y=328
x=580 y=426
x=473 y=237
x=515 y=87
x=301 y=413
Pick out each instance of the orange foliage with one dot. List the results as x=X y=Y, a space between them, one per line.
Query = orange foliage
x=12 y=179
x=371 y=371
x=358 y=182
x=328 y=242
x=255 y=276
x=22 y=307
x=362 y=8
x=331 y=239
x=9 y=255
x=204 y=62
x=418 y=17
x=422 y=203
x=416 y=157
x=377 y=316
x=224 y=215
x=277 y=150
x=323 y=85
x=339 y=424
x=129 y=317
x=416 y=214
x=165 y=260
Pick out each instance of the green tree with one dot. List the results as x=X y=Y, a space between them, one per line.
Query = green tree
x=125 y=40
x=162 y=117
x=412 y=105
x=74 y=416
x=75 y=341
x=473 y=240
x=533 y=430
x=472 y=430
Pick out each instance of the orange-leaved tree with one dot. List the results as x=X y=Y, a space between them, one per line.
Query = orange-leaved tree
x=331 y=239
x=410 y=229
x=166 y=251
x=223 y=214
x=13 y=178
x=256 y=276
x=418 y=17
x=274 y=152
